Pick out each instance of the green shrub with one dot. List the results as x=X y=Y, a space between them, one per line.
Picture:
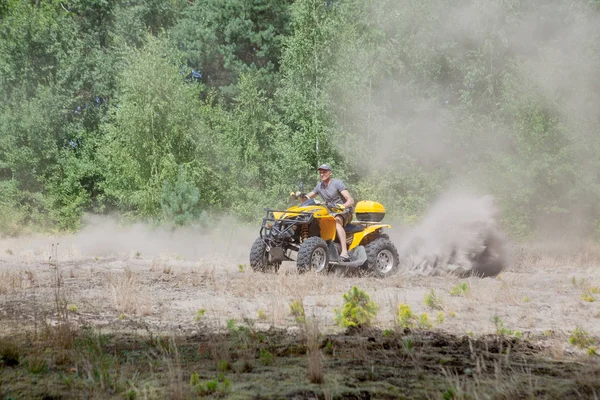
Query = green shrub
x=265 y=357
x=200 y=314
x=424 y=321
x=405 y=316
x=407 y=319
x=433 y=301
x=581 y=338
x=460 y=290
x=501 y=330
x=297 y=310
x=358 y=311
x=180 y=199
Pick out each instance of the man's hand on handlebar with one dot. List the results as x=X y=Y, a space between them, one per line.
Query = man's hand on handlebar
x=298 y=195
x=336 y=207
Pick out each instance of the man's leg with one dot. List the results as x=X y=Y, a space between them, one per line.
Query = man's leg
x=339 y=227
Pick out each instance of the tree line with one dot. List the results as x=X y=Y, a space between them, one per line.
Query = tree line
x=173 y=111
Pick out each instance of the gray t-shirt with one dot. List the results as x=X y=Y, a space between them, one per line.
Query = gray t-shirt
x=332 y=193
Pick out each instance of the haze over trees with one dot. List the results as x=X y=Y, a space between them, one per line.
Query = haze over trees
x=173 y=110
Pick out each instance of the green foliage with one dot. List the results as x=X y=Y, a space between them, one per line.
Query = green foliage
x=223 y=43
x=224 y=366
x=297 y=311
x=260 y=314
x=265 y=357
x=406 y=319
x=155 y=150
x=100 y=110
x=433 y=301
x=358 y=311
x=587 y=296
x=241 y=337
x=440 y=317
x=425 y=322
x=194 y=379
x=460 y=289
x=179 y=200
x=581 y=338
x=501 y=330
x=200 y=314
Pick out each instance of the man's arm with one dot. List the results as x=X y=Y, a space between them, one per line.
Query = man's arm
x=349 y=200
x=304 y=197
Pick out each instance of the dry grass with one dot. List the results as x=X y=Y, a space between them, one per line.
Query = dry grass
x=557 y=255
x=127 y=294
x=10 y=282
x=313 y=352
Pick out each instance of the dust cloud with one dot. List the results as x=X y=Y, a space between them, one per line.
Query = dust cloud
x=104 y=236
x=495 y=59
x=459 y=235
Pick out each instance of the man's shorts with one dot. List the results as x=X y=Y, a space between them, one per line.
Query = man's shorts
x=346 y=216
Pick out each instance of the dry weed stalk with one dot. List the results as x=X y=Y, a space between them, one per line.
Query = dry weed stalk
x=62 y=332
x=313 y=350
x=507 y=293
x=178 y=389
x=127 y=296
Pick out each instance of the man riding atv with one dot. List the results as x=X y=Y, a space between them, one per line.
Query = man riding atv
x=334 y=192
x=317 y=235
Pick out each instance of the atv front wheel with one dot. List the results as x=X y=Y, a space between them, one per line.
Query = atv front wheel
x=259 y=258
x=313 y=254
x=382 y=257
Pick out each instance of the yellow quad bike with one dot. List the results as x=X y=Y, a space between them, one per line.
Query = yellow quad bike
x=307 y=235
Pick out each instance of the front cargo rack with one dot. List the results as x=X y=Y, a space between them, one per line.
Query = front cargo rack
x=277 y=229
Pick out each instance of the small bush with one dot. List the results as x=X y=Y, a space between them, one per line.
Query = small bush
x=224 y=366
x=433 y=301
x=358 y=311
x=587 y=296
x=407 y=319
x=211 y=386
x=260 y=314
x=460 y=290
x=501 y=330
x=194 y=379
x=424 y=321
x=200 y=314
x=265 y=357
x=405 y=316
x=581 y=338
x=297 y=311
x=440 y=317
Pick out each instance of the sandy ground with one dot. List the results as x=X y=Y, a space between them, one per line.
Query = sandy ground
x=138 y=279
x=158 y=304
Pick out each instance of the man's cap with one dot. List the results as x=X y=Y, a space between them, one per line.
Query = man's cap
x=326 y=167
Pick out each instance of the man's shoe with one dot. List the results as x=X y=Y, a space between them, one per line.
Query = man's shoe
x=345 y=258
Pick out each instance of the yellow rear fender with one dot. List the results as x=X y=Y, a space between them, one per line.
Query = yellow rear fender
x=359 y=236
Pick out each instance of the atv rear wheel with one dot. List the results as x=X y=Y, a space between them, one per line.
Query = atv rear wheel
x=382 y=257
x=313 y=254
x=259 y=258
